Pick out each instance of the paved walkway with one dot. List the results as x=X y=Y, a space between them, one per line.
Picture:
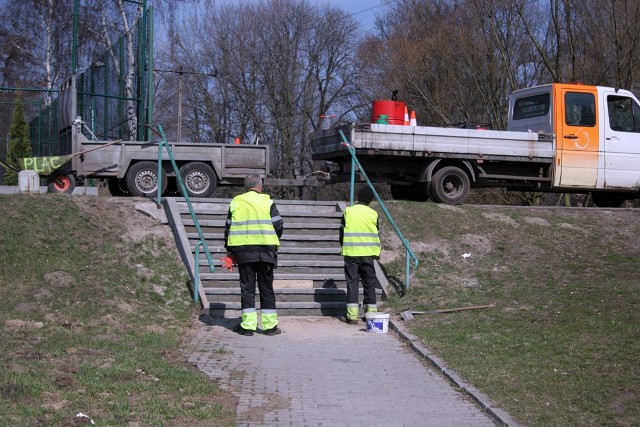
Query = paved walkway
x=321 y=372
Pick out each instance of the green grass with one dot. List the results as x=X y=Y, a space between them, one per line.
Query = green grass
x=92 y=320
x=103 y=314
x=561 y=346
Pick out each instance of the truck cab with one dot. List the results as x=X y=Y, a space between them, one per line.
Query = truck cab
x=597 y=133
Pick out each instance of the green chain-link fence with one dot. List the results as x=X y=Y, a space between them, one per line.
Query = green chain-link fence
x=113 y=97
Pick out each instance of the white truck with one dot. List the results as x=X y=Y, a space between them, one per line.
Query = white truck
x=561 y=138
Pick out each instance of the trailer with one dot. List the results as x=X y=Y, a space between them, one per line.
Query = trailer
x=561 y=138
x=131 y=167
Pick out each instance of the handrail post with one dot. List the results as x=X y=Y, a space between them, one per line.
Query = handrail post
x=196 y=280
x=201 y=241
x=353 y=167
x=355 y=161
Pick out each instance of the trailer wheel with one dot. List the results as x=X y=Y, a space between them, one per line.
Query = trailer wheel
x=142 y=179
x=450 y=185
x=61 y=183
x=608 y=200
x=118 y=187
x=199 y=179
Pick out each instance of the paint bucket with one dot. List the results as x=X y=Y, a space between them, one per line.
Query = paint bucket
x=28 y=181
x=377 y=322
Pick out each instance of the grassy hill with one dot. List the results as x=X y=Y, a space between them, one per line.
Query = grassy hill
x=94 y=305
x=561 y=346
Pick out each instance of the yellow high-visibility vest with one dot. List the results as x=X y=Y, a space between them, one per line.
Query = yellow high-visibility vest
x=251 y=221
x=360 y=236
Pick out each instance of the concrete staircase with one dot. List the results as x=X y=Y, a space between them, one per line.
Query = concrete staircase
x=309 y=279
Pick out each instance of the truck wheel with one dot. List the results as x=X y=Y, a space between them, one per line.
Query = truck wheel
x=431 y=195
x=142 y=179
x=199 y=179
x=118 y=187
x=61 y=183
x=608 y=200
x=450 y=185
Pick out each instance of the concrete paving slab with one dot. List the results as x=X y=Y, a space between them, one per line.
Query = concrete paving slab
x=322 y=372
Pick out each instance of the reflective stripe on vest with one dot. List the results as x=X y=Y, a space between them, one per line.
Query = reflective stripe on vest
x=360 y=232
x=251 y=222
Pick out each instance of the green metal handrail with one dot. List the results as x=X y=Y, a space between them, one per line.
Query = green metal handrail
x=354 y=162
x=201 y=241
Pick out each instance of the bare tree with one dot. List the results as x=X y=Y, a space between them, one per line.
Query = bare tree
x=610 y=33
x=33 y=34
x=273 y=79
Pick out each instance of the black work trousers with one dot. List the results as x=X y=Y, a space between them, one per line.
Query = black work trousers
x=263 y=272
x=356 y=268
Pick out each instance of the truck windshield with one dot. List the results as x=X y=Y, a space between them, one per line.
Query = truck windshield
x=624 y=114
x=580 y=109
x=531 y=106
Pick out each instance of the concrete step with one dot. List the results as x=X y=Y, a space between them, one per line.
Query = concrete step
x=309 y=279
x=233 y=294
x=276 y=276
x=309 y=261
x=286 y=309
x=286 y=237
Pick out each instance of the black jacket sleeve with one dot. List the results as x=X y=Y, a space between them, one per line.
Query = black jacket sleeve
x=226 y=230
x=276 y=220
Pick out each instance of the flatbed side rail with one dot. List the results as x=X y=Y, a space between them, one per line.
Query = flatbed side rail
x=354 y=162
x=201 y=240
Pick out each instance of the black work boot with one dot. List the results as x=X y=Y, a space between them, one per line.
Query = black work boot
x=273 y=331
x=349 y=321
x=242 y=331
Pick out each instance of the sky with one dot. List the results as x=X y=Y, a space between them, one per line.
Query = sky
x=362 y=10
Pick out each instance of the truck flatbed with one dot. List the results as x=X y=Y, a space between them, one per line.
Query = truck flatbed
x=426 y=141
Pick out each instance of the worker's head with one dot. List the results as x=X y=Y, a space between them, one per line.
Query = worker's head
x=253 y=182
x=365 y=195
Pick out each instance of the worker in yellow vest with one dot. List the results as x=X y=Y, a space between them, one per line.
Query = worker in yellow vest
x=360 y=240
x=252 y=237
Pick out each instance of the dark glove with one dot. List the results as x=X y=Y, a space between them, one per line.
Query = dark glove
x=228 y=262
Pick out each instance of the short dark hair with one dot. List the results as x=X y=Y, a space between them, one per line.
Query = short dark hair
x=365 y=195
x=252 y=180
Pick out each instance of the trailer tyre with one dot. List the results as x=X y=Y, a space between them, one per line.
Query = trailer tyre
x=199 y=179
x=142 y=179
x=61 y=183
x=450 y=185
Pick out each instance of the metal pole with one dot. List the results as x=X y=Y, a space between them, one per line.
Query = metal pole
x=353 y=169
x=149 y=118
x=179 y=132
x=74 y=44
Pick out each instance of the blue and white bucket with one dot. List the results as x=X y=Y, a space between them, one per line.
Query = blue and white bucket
x=377 y=322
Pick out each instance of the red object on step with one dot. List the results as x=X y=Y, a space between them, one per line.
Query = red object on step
x=228 y=262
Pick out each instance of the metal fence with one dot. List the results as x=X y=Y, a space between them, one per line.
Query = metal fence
x=113 y=94
x=113 y=97
x=42 y=120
